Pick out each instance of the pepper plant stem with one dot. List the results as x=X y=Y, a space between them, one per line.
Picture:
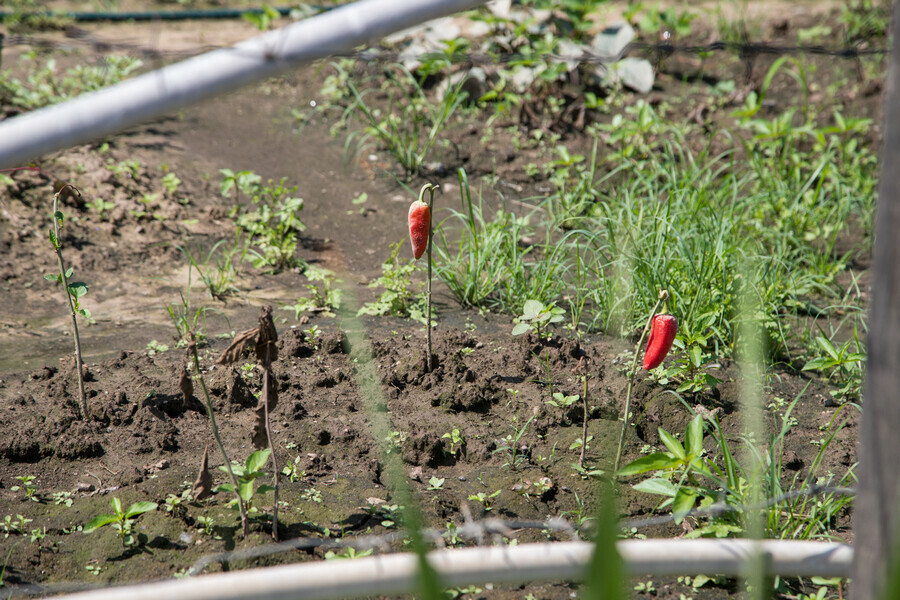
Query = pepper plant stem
x=429 y=361
x=245 y=525
x=266 y=383
x=632 y=371
x=79 y=365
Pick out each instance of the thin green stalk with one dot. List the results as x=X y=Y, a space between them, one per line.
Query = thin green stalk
x=584 y=406
x=632 y=371
x=266 y=374
x=192 y=349
x=429 y=361
x=79 y=365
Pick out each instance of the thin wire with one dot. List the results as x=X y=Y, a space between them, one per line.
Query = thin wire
x=498 y=527
x=745 y=49
x=474 y=530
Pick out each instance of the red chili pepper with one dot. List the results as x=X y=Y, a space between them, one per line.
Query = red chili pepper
x=662 y=334
x=419 y=227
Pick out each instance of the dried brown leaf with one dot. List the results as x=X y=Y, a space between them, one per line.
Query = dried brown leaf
x=204 y=483
x=242 y=342
x=266 y=348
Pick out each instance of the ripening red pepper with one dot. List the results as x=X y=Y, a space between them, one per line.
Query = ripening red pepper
x=662 y=334
x=419 y=227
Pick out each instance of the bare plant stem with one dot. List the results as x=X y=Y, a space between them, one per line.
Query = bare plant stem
x=245 y=525
x=429 y=361
x=79 y=365
x=266 y=375
x=632 y=371
x=584 y=405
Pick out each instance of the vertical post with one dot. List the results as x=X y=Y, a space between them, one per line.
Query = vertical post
x=875 y=515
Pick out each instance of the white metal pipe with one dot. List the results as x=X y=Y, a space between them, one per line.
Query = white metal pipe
x=98 y=114
x=395 y=573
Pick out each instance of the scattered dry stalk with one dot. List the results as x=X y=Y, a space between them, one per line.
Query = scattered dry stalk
x=262 y=339
x=192 y=350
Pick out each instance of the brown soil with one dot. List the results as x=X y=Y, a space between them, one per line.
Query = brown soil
x=140 y=444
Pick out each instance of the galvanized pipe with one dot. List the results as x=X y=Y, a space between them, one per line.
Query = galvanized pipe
x=98 y=114
x=395 y=573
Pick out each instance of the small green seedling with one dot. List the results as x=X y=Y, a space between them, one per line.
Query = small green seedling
x=485 y=499
x=562 y=401
x=28 y=486
x=457 y=440
x=535 y=317
x=246 y=474
x=121 y=521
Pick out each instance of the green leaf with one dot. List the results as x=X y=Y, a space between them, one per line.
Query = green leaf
x=696 y=356
x=817 y=364
x=117 y=506
x=53 y=239
x=265 y=489
x=693 y=437
x=658 y=486
x=52 y=277
x=684 y=502
x=651 y=462
x=256 y=460
x=98 y=522
x=237 y=469
x=532 y=309
x=245 y=490
x=672 y=444
x=225 y=487
x=139 y=508
x=521 y=328
x=78 y=289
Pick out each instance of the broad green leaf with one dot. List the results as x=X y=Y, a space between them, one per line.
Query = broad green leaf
x=256 y=460
x=696 y=356
x=521 y=328
x=237 y=469
x=658 y=486
x=117 y=506
x=828 y=347
x=265 y=489
x=225 y=487
x=69 y=272
x=139 y=508
x=651 y=462
x=532 y=309
x=683 y=503
x=817 y=364
x=693 y=437
x=53 y=239
x=672 y=444
x=245 y=490
x=98 y=522
x=52 y=277
x=78 y=289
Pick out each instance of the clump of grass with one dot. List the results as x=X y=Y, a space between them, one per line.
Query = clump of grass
x=411 y=125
